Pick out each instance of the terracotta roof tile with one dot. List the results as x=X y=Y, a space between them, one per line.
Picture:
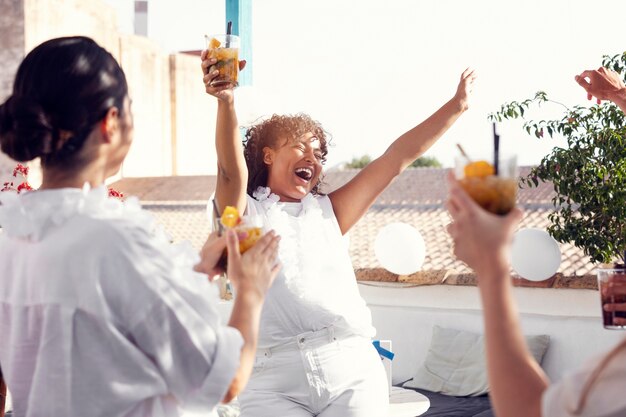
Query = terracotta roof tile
x=168 y=189
x=416 y=197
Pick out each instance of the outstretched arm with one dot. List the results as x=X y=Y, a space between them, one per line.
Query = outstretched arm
x=351 y=201
x=482 y=240
x=232 y=173
x=603 y=84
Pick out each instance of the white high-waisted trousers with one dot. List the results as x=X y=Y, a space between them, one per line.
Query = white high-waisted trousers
x=325 y=373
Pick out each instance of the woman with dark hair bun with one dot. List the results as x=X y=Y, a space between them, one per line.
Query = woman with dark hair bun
x=99 y=314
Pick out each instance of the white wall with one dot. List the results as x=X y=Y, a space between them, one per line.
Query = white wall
x=570 y=317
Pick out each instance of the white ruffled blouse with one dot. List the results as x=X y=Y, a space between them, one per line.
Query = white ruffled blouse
x=605 y=399
x=101 y=316
x=316 y=287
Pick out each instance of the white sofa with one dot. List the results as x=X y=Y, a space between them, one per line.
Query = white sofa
x=406 y=316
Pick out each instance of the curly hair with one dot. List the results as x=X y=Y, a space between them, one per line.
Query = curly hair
x=268 y=133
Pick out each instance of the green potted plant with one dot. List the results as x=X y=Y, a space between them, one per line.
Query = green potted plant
x=589 y=175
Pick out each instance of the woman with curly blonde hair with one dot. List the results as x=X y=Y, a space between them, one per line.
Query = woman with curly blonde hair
x=315 y=355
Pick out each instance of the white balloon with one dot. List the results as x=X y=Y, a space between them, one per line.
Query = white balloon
x=400 y=248
x=535 y=255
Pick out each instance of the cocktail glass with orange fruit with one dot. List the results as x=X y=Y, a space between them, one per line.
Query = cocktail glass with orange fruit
x=494 y=191
x=225 y=48
x=249 y=228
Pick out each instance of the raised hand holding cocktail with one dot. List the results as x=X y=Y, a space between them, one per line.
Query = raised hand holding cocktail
x=224 y=49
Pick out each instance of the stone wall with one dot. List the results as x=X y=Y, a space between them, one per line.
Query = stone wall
x=174 y=118
x=46 y=19
x=11 y=53
x=147 y=73
x=193 y=118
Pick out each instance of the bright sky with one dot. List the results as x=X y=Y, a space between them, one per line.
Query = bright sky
x=371 y=69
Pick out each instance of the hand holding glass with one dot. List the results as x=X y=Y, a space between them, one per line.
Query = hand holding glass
x=224 y=48
x=612 y=286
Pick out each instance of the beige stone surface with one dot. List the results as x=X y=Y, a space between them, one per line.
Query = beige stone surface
x=46 y=19
x=375 y=274
x=587 y=281
x=11 y=43
x=426 y=277
x=174 y=118
x=147 y=74
x=193 y=118
x=11 y=54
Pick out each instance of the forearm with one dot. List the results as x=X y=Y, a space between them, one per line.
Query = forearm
x=619 y=98
x=245 y=317
x=352 y=200
x=516 y=381
x=232 y=172
x=414 y=143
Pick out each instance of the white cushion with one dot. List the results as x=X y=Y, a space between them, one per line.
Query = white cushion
x=455 y=363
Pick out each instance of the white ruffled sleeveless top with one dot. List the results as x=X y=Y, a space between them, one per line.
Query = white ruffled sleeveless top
x=316 y=287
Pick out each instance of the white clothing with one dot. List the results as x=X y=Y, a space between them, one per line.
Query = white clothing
x=326 y=373
x=316 y=287
x=314 y=322
x=99 y=316
x=606 y=398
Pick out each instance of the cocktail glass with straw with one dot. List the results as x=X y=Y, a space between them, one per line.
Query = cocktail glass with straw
x=493 y=185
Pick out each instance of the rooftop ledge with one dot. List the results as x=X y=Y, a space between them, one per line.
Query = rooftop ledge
x=452 y=278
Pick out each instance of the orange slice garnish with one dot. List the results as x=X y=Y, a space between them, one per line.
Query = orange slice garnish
x=230 y=217
x=214 y=43
x=479 y=169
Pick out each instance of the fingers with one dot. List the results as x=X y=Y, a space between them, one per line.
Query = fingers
x=468 y=73
x=233 y=247
x=207 y=63
x=615 y=307
x=215 y=239
x=614 y=288
x=582 y=81
x=451 y=228
x=271 y=249
x=587 y=74
x=266 y=246
x=274 y=271
x=458 y=197
x=453 y=209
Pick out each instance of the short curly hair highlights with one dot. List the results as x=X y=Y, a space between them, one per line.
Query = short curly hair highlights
x=269 y=133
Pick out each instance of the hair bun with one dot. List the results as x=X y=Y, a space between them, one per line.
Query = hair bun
x=26 y=131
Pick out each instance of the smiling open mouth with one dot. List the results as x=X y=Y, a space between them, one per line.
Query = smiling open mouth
x=304 y=173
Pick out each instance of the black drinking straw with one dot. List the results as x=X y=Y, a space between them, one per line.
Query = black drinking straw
x=229 y=31
x=496 y=150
